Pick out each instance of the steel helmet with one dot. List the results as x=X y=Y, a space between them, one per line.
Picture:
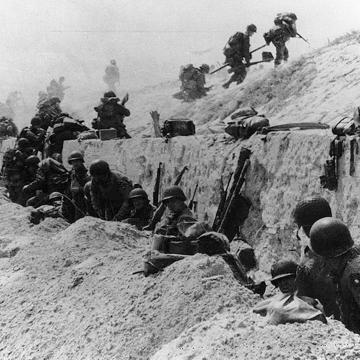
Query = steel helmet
x=283 y=269
x=36 y=121
x=252 y=28
x=138 y=193
x=330 y=237
x=55 y=196
x=113 y=62
x=205 y=68
x=99 y=167
x=173 y=192
x=23 y=143
x=32 y=160
x=309 y=210
x=109 y=94
x=75 y=155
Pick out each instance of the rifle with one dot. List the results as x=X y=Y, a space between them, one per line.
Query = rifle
x=157 y=186
x=234 y=193
x=220 y=208
x=302 y=38
x=191 y=203
x=218 y=69
x=159 y=212
x=258 y=48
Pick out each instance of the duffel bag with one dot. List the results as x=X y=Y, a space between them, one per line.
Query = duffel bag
x=178 y=127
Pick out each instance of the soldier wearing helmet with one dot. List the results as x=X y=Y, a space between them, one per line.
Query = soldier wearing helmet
x=112 y=75
x=51 y=177
x=284 y=29
x=31 y=168
x=141 y=211
x=236 y=51
x=111 y=114
x=312 y=277
x=178 y=218
x=35 y=134
x=76 y=208
x=53 y=209
x=330 y=238
x=109 y=192
x=193 y=82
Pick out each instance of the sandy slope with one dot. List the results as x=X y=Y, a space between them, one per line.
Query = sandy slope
x=68 y=293
x=321 y=86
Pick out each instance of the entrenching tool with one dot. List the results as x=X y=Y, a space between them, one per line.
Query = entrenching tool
x=258 y=48
x=266 y=56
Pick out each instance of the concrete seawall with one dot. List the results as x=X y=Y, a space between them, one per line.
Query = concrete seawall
x=285 y=167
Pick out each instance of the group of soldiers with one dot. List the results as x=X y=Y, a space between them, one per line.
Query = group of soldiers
x=238 y=57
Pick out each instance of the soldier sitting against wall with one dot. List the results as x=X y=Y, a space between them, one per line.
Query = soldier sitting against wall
x=168 y=234
x=109 y=192
x=141 y=211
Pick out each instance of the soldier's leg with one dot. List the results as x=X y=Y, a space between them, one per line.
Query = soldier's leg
x=286 y=53
x=241 y=74
x=279 y=54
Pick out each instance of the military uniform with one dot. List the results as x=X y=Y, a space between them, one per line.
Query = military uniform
x=313 y=279
x=36 y=137
x=110 y=201
x=283 y=30
x=111 y=115
x=141 y=218
x=193 y=82
x=50 y=177
x=236 y=50
x=77 y=208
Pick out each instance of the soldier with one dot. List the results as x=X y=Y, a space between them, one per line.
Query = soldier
x=76 y=209
x=50 y=177
x=14 y=186
x=51 y=209
x=112 y=75
x=141 y=209
x=111 y=114
x=49 y=111
x=284 y=29
x=169 y=232
x=193 y=82
x=31 y=168
x=35 y=134
x=331 y=239
x=236 y=51
x=312 y=278
x=288 y=306
x=109 y=192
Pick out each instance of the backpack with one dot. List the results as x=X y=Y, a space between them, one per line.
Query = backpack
x=178 y=127
x=246 y=127
x=187 y=72
x=236 y=40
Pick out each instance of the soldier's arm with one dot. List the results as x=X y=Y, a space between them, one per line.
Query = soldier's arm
x=96 y=201
x=124 y=187
x=246 y=47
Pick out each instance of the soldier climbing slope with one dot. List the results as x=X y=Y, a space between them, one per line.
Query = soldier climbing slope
x=331 y=239
x=284 y=29
x=193 y=82
x=236 y=51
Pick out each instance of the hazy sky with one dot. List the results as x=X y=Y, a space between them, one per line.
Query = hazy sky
x=150 y=39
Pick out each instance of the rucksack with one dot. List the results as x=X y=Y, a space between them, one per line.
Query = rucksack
x=246 y=127
x=236 y=40
x=187 y=72
x=178 y=127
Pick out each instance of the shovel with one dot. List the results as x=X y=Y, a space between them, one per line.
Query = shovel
x=266 y=56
